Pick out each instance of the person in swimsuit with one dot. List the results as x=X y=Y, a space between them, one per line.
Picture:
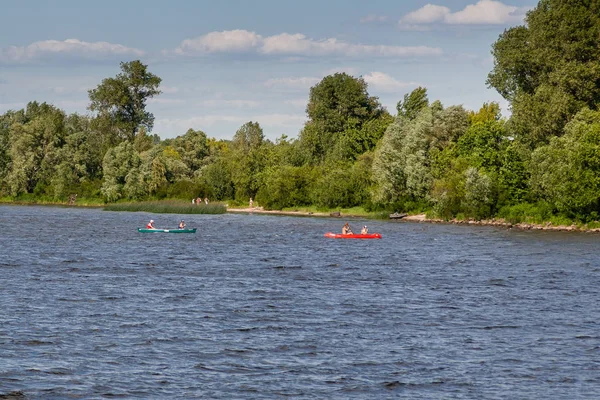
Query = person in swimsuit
x=150 y=225
x=346 y=230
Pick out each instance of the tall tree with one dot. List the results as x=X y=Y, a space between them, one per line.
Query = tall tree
x=413 y=103
x=34 y=148
x=337 y=104
x=549 y=69
x=247 y=159
x=121 y=101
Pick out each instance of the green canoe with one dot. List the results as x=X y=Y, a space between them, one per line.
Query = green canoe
x=146 y=230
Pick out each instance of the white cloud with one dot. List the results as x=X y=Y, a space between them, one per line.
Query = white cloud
x=70 y=48
x=373 y=18
x=297 y=102
x=426 y=15
x=484 y=12
x=169 y=89
x=348 y=70
x=220 y=42
x=303 y=82
x=286 y=44
x=229 y=103
x=385 y=83
x=279 y=120
x=158 y=100
x=71 y=105
x=11 y=106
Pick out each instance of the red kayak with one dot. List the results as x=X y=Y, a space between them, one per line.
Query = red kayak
x=353 y=235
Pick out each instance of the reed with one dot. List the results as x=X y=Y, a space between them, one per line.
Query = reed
x=168 y=207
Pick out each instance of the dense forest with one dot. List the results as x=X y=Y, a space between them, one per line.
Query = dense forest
x=544 y=160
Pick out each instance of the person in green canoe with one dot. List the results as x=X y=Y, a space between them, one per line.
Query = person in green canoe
x=182 y=224
x=150 y=225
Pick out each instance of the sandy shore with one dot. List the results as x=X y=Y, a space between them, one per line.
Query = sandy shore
x=423 y=219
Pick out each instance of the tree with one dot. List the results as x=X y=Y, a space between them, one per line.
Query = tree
x=78 y=159
x=566 y=172
x=34 y=148
x=121 y=101
x=487 y=112
x=338 y=107
x=247 y=159
x=121 y=168
x=402 y=166
x=193 y=149
x=413 y=103
x=549 y=69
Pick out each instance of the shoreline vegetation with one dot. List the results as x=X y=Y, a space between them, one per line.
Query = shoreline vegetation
x=182 y=207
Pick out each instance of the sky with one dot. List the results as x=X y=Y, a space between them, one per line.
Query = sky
x=224 y=63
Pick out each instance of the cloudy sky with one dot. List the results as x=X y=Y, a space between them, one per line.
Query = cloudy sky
x=227 y=62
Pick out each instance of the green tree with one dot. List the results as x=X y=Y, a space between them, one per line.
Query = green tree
x=402 y=166
x=286 y=186
x=549 y=69
x=338 y=107
x=487 y=112
x=121 y=167
x=34 y=148
x=120 y=102
x=566 y=172
x=413 y=103
x=248 y=158
x=192 y=148
x=78 y=160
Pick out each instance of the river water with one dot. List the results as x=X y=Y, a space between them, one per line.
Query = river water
x=265 y=307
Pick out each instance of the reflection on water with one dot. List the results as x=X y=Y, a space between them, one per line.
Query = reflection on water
x=266 y=307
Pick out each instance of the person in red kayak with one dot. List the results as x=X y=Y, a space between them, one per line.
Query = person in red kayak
x=150 y=225
x=346 y=230
x=364 y=230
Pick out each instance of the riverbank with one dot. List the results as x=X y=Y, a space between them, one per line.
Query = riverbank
x=422 y=218
x=503 y=224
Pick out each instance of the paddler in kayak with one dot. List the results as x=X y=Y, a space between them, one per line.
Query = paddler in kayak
x=182 y=225
x=346 y=230
x=150 y=225
x=364 y=230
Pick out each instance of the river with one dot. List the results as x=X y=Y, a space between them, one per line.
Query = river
x=265 y=307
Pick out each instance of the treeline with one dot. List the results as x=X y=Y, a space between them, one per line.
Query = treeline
x=543 y=161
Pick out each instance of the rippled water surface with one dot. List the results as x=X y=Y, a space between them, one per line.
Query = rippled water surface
x=266 y=307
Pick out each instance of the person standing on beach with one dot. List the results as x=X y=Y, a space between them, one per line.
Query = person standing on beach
x=251 y=202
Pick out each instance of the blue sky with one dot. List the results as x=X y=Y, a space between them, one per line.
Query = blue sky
x=228 y=62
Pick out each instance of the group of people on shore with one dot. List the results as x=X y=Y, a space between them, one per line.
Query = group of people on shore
x=346 y=230
x=199 y=200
